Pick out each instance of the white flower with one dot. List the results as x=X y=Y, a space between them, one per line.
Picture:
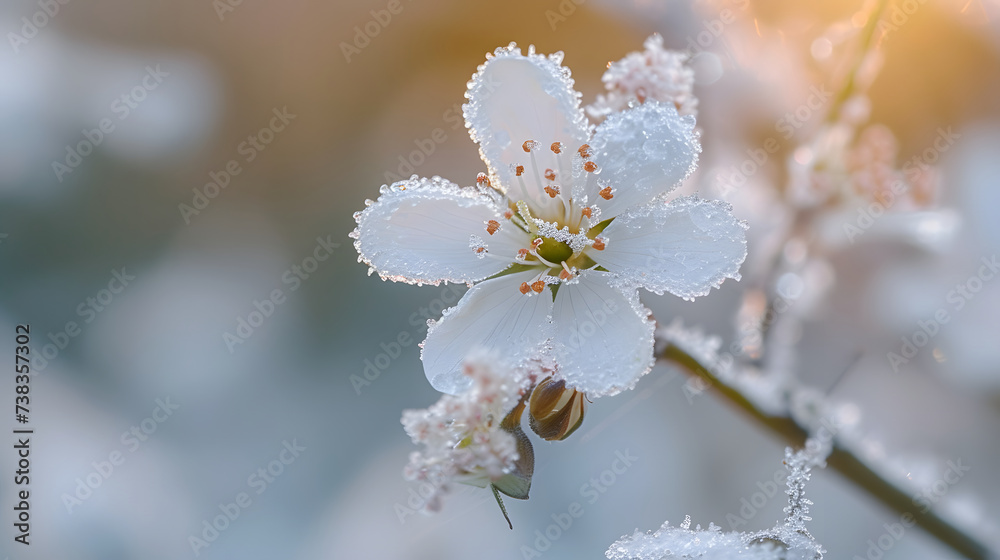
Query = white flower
x=463 y=436
x=559 y=234
x=653 y=74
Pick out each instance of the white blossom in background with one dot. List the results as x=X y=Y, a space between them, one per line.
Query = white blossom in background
x=558 y=236
x=654 y=74
x=841 y=166
x=461 y=434
x=788 y=540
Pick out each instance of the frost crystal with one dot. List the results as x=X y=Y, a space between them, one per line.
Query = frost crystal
x=767 y=391
x=789 y=540
x=654 y=73
x=461 y=434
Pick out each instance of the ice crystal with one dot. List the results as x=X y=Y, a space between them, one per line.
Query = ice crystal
x=789 y=540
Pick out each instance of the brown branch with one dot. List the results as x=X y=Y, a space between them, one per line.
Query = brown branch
x=841 y=460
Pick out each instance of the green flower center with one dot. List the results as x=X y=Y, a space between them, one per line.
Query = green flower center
x=554 y=251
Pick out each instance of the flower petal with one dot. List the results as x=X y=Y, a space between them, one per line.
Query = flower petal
x=514 y=98
x=603 y=341
x=419 y=232
x=642 y=152
x=493 y=314
x=686 y=247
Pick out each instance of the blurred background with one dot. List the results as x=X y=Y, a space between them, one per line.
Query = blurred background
x=165 y=167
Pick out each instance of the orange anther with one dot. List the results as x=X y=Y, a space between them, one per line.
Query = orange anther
x=480 y=249
x=528 y=144
x=552 y=191
x=550 y=175
x=522 y=254
x=564 y=274
x=585 y=151
x=538 y=286
x=586 y=212
x=508 y=214
x=606 y=193
x=536 y=243
x=556 y=147
x=525 y=288
x=483 y=179
x=492 y=226
x=590 y=166
x=599 y=244
x=519 y=170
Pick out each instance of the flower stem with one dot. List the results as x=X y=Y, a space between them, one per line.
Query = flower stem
x=502 y=508
x=841 y=460
x=865 y=47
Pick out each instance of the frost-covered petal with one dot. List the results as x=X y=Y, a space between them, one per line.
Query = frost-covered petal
x=514 y=98
x=419 y=231
x=493 y=314
x=603 y=339
x=641 y=153
x=686 y=247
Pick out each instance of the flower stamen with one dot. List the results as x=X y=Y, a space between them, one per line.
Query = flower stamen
x=525 y=212
x=535 y=244
x=534 y=169
x=566 y=273
x=478 y=246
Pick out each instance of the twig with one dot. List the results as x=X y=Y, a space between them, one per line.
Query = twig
x=841 y=460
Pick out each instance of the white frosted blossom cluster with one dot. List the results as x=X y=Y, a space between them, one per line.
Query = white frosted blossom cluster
x=789 y=540
x=840 y=166
x=872 y=167
x=655 y=73
x=460 y=434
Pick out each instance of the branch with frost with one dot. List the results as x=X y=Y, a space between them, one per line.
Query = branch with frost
x=788 y=540
x=795 y=413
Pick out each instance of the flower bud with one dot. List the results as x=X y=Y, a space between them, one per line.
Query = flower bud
x=555 y=411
